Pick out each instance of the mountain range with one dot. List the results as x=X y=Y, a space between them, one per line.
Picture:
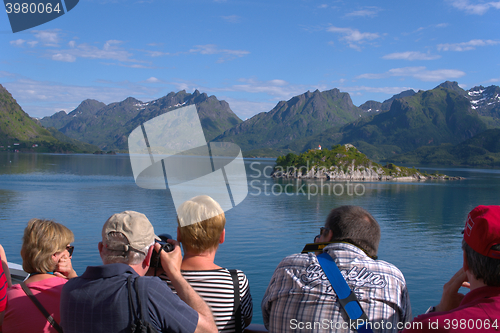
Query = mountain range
x=410 y=126
x=108 y=126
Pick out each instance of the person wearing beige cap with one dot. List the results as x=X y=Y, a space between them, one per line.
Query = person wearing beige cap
x=479 y=309
x=117 y=296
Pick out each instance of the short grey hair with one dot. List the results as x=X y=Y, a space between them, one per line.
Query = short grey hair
x=116 y=240
x=353 y=224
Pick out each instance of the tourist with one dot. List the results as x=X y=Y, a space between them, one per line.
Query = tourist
x=479 y=309
x=98 y=300
x=216 y=285
x=300 y=297
x=46 y=254
x=5 y=282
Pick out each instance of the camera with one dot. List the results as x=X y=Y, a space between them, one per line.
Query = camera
x=165 y=246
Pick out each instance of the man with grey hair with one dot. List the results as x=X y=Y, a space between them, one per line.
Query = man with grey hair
x=102 y=299
x=301 y=298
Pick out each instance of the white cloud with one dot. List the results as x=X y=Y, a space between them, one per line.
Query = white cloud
x=212 y=49
x=433 y=26
x=63 y=57
x=48 y=37
x=353 y=37
x=420 y=73
x=478 y=8
x=155 y=54
x=367 y=12
x=152 y=79
x=232 y=18
x=410 y=55
x=467 y=46
x=110 y=50
x=17 y=42
x=323 y=6
x=383 y=90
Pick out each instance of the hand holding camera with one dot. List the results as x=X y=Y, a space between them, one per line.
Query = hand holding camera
x=167 y=255
x=164 y=246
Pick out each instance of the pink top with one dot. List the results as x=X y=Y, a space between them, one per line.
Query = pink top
x=22 y=315
x=3 y=288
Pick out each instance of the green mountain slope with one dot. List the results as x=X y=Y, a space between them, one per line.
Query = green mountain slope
x=16 y=125
x=480 y=150
x=433 y=117
x=21 y=132
x=86 y=110
x=302 y=116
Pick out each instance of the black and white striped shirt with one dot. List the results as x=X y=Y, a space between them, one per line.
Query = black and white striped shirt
x=217 y=290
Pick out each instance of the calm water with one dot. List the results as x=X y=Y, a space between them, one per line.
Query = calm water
x=421 y=222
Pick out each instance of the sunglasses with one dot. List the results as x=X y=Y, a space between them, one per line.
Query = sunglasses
x=70 y=249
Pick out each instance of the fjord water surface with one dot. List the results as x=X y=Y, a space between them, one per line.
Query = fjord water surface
x=421 y=222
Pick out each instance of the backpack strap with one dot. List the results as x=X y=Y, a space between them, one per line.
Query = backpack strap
x=143 y=311
x=40 y=307
x=346 y=297
x=237 y=305
x=133 y=312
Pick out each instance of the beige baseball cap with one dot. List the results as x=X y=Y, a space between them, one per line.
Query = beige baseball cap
x=134 y=226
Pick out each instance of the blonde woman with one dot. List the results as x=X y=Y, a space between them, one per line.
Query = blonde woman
x=216 y=285
x=46 y=254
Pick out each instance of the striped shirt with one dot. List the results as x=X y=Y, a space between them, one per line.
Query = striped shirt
x=217 y=290
x=300 y=297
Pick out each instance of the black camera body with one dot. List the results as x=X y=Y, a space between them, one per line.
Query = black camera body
x=165 y=246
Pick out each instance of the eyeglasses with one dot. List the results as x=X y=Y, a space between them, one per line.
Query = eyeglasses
x=70 y=249
x=322 y=229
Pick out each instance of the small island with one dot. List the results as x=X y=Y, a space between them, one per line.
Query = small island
x=342 y=163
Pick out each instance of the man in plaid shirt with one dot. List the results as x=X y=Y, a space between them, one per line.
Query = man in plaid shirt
x=300 y=297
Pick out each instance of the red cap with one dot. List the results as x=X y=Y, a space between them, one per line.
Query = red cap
x=482 y=230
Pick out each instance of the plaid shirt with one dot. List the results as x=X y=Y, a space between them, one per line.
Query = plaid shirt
x=300 y=297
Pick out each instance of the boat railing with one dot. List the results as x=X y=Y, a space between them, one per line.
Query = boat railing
x=17 y=273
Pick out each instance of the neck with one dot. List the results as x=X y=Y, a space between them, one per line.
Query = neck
x=38 y=277
x=474 y=283
x=199 y=261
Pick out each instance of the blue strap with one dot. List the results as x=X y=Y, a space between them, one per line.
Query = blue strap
x=346 y=297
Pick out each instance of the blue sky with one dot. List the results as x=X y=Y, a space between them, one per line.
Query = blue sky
x=250 y=53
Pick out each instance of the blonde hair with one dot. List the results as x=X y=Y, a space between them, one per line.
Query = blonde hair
x=204 y=235
x=42 y=238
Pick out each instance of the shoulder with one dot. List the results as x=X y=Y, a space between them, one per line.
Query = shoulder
x=389 y=269
x=298 y=260
x=14 y=291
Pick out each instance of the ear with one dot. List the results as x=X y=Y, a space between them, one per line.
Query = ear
x=100 y=246
x=147 y=260
x=465 y=264
x=222 y=236
x=178 y=235
x=329 y=236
